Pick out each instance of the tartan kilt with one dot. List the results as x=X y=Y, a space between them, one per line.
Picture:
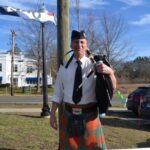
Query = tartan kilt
x=92 y=139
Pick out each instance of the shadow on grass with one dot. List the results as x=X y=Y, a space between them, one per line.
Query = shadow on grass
x=7 y=149
x=30 y=116
x=125 y=120
x=25 y=115
x=144 y=144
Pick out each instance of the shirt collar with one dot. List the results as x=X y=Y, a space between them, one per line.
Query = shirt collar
x=83 y=59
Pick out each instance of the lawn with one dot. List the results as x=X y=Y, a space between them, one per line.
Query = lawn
x=28 y=131
x=21 y=131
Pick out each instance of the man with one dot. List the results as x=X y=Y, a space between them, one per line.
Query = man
x=80 y=126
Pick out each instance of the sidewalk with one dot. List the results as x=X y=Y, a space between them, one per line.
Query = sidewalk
x=4 y=110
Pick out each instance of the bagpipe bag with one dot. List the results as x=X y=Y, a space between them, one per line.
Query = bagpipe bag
x=104 y=88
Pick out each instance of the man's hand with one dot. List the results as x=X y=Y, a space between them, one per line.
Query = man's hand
x=102 y=68
x=53 y=121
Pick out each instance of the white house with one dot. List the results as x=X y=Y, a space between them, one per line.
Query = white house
x=24 y=72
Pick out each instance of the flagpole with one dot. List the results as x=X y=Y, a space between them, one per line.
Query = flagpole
x=45 y=110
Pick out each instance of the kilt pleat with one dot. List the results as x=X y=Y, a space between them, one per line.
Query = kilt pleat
x=92 y=139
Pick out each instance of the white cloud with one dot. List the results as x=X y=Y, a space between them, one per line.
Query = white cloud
x=27 y=4
x=89 y=4
x=22 y=4
x=15 y=3
x=144 y=20
x=133 y=2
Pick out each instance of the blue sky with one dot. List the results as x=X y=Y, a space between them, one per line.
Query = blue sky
x=136 y=14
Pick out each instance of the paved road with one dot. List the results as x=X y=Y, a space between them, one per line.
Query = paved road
x=22 y=99
x=30 y=110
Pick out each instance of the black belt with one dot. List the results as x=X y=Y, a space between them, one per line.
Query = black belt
x=80 y=110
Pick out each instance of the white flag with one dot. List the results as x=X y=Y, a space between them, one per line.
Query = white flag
x=39 y=16
x=33 y=15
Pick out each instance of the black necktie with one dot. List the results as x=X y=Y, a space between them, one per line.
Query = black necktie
x=77 y=92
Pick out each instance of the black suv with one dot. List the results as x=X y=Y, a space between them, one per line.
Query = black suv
x=137 y=97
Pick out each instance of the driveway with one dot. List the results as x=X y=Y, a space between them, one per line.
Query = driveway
x=128 y=115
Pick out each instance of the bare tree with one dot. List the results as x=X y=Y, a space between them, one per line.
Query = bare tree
x=107 y=35
x=135 y=71
x=113 y=30
x=30 y=38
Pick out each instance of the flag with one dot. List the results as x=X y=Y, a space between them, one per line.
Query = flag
x=33 y=15
x=5 y=10
x=38 y=16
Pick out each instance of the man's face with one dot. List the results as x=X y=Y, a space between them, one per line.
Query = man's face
x=79 y=46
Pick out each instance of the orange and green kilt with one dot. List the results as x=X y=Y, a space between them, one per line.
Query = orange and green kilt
x=92 y=139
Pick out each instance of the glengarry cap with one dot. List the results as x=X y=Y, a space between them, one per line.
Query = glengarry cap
x=78 y=35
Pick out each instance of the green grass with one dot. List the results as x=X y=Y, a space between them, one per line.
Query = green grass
x=28 y=131
x=124 y=134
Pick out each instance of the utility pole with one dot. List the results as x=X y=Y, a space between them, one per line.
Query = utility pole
x=62 y=29
x=12 y=63
x=62 y=34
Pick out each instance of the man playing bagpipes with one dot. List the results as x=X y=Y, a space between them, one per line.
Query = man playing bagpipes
x=80 y=126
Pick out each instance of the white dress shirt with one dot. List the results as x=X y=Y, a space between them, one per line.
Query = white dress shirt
x=64 y=84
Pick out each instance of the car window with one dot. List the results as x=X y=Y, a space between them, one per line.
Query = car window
x=143 y=90
x=148 y=92
x=140 y=90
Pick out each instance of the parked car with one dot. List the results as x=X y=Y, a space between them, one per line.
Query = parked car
x=137 y=97
x=145 y=109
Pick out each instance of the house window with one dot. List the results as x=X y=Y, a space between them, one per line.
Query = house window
x=15 y=81
x=15 y=68
x=29 y=69
x=0 y=67
x=32 y=80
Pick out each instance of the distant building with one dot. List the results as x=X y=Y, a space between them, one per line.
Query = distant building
x=24 y=72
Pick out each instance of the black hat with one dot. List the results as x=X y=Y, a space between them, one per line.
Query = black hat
x=78 y=35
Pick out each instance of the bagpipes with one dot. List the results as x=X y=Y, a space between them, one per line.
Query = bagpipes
x=104 y=87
